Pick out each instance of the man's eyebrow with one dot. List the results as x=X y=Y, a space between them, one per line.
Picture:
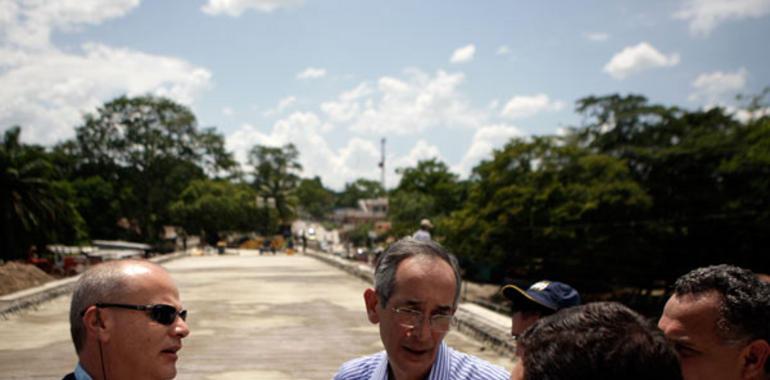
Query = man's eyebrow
x=443 y=309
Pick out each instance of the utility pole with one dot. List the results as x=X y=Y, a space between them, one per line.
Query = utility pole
x=382 y=163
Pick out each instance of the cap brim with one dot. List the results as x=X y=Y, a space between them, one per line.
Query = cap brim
x=515 y=293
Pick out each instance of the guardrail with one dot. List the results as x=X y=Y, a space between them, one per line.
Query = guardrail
x=23 y=299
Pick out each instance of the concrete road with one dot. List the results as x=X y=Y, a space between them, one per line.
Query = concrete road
x=251 y=317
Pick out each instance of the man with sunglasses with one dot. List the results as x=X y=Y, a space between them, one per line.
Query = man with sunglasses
x=541 y=299
x=415 y=294
x=126 y=322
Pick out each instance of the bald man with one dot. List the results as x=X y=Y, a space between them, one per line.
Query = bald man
x=127 y=322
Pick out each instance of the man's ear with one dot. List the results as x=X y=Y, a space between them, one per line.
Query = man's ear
x=95 y=324
x=754 y=356
x=371 y=300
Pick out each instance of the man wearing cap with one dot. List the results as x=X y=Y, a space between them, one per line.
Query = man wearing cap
x=542 y=299
x=424 y=232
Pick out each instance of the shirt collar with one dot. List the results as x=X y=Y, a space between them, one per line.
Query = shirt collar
x=439 y=370
x=81 y=374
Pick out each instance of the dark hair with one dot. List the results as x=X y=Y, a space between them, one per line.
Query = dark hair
x=744 y=310
x=387 y=263
x=603 y=340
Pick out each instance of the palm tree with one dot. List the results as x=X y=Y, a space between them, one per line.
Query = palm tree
x=29 y=204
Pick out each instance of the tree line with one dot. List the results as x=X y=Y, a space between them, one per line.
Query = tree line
x=635 y=195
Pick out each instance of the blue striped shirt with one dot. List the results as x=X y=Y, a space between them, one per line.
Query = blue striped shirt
x=449 y=365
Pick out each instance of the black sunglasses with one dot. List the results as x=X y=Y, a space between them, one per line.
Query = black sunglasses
x=163 y=314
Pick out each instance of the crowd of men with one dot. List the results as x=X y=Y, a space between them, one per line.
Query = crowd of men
x=127 y=322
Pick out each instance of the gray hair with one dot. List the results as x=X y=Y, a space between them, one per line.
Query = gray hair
x=105 y=282
x=387 y=263
x=744 y=310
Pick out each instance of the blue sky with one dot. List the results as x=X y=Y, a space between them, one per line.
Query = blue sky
x=446 y=79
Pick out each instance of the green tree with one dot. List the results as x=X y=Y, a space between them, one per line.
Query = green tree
x=209 y=207
x=428 y=190
x=361 y=188
x=150 y=148
x=314 y=198
x=276 y=176
x=541 y=209
x=34 y=207
x=705 y=190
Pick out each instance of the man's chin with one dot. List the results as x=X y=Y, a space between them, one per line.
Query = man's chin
x=417 y=360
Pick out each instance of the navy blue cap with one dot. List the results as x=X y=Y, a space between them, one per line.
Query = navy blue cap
x=549 y=294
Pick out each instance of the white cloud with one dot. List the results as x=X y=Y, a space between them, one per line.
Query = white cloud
x=29 y=24
x=484 y=142
x=463 y=54
x=282 y=105
x=311 y=73
x=228 y=111
x=705 y=15
x=422 y=150
x=745 y=116
x=713 y=86
x=597 y=37
x=503 y=50
x=47 y=92
x=410 y=105
x=347 y=105
x=235 y=8
x=525 y=106
x=358 y=158
x=637 y=58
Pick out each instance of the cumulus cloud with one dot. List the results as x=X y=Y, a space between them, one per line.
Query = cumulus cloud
x=525 y=106
x=47 y=92
x=282 y=105
x=634 y=59
x=412 y=104
x=29 y=24
x=311 y=73
x=503 y=50
x=713 y=86
x=358 y=158
x=485 y=140
x=745 y=116
x=463 y=54
x=235 y=8
x=347 y=106
x=597 y=37
x=705 y=15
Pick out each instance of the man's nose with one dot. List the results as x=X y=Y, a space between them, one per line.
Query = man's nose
x=422 y=329
x=181 y=329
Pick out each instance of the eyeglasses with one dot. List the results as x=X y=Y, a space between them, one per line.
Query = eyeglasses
x=411 y=318
x=163 y=314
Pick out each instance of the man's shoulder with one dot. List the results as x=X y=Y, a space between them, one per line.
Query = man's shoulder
x=360 y=368
x=469 y=367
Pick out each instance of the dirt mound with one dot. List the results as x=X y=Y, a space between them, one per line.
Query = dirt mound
x=17 y=276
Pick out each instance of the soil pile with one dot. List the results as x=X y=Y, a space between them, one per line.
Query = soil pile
x=18 y=276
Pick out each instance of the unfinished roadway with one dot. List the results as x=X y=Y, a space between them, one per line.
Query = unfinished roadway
x=251 y=317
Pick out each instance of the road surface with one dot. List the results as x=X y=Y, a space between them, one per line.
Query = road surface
x=252 y=317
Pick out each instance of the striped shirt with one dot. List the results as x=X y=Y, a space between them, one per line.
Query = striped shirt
x=449 y=365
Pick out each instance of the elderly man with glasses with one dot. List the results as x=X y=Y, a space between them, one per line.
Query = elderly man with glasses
x=127 y=322
x=415 y=295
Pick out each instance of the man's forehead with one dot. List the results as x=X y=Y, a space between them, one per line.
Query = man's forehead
x=424 y=280
x=691 y=317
